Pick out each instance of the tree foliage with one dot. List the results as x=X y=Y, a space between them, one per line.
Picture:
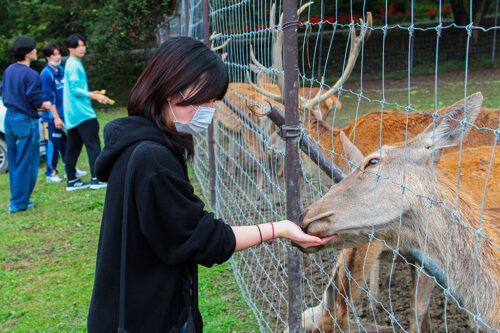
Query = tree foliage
x=112 y=28
x=108 y=25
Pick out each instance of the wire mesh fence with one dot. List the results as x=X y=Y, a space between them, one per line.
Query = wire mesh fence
x=417 y=218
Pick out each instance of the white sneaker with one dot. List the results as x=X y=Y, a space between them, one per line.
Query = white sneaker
x=54 y=179
x=79 y=173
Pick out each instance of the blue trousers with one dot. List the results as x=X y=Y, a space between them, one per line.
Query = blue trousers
x=55 y=145
x=23 y=154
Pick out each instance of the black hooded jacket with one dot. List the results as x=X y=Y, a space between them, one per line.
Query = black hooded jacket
x=168 y=230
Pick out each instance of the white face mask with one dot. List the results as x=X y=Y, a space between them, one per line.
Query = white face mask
x=55 y=63
x=201 y=120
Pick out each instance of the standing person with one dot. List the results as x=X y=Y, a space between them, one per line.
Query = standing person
x=169 y=233
x=80 y=118
x=52 y=89
x=22 y=96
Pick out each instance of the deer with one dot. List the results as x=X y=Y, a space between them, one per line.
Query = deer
x=444 y=227
x=322 y=100
x=240 y=93
x=367 y=136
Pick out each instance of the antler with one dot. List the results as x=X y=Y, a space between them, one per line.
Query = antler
x=212 y=45
x=277 y=60
x=356 y=43
x=277 y=55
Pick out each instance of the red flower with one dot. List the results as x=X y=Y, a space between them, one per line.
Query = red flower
x=314 y=19
x=431 y=11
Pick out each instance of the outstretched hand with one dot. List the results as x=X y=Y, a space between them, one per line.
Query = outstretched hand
x=103 y=99
x=294 y=233
x=98 y=96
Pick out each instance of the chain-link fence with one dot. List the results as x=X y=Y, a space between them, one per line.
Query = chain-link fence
x=418 y=246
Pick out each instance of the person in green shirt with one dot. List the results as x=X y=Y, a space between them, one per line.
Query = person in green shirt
x=80 y=118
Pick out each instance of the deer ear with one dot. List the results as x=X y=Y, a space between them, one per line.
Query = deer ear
x=351 y=152
x=448 y=128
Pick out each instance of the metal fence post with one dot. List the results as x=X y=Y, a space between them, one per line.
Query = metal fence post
x=186 y=17
x=291 y=132
x=211 y=139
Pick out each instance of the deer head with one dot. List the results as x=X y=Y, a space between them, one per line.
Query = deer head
x=388 y=187
x=276 y=68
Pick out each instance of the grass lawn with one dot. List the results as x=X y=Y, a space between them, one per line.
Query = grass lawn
x=47 y=262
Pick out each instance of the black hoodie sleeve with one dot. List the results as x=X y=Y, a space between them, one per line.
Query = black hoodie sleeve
x=173 y=221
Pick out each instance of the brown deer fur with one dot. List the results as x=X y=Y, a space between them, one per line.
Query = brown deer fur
x=365 y=132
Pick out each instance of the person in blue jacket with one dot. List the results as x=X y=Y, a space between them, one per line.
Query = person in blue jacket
x=53 y=120
x=22 y=96
x=52 y=89
x=80 y=118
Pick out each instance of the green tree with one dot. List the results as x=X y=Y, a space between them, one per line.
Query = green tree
x=112 y=28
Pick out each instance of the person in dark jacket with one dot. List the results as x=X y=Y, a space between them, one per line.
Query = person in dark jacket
x=169 y=233
x=22 y=96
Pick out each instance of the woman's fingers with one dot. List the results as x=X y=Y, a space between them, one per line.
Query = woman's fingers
x=295 y=233
x=316 y=242
x=329 y=238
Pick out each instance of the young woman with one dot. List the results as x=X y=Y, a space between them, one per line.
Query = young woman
x=169 y=233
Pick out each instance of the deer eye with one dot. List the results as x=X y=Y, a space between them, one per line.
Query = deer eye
x=372 y=161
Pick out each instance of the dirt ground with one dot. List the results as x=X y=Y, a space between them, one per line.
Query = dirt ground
x=399 y=301
x=401 y=292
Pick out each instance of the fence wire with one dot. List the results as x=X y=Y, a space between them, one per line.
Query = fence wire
x=434 y=264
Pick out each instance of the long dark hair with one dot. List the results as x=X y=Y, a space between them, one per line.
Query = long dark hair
x=179 y=63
